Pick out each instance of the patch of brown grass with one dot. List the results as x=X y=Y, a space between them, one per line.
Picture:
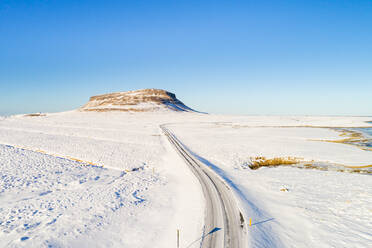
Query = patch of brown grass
x=258 y=162
x=350 y=138
x=35 y=115
x=310 y=166
x=359 y=167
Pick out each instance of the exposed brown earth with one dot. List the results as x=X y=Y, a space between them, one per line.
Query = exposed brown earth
x=35 y=115
x=135 y=101
x=116 y=109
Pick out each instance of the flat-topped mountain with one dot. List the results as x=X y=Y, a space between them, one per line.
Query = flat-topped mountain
x=136 y=101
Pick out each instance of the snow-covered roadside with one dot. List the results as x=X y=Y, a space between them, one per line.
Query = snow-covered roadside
x=140 y=198
x=187 y=201
x=171 y=195
x=239 y=143
x=320 y=208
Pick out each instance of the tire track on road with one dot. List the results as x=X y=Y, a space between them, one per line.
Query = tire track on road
x=222 y=209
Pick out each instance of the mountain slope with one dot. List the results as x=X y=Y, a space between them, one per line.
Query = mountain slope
x=145 y=100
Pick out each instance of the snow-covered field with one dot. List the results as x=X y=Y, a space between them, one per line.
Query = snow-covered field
x=53 y=201
x=145 y=192
x=320 y=208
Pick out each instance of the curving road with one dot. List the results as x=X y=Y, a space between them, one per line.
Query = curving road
x=221 y=206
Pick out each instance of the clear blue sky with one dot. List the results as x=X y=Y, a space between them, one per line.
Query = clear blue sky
x=238 y=57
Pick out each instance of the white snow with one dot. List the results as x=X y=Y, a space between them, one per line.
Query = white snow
x=145 y=192
x=52 y=201
x=141 y=196
x=320 y=209
x=245 y=142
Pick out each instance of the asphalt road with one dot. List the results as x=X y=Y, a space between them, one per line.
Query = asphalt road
x=222 y=210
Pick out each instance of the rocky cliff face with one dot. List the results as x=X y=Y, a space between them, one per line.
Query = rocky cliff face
x=136 y=101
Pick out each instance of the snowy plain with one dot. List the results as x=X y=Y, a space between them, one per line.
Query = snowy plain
x=317 y=208
x=140 y=197
x=145 y=192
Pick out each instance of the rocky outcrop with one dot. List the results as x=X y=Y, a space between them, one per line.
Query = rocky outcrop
x=136 y=101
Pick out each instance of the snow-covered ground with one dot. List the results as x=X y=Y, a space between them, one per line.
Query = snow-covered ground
x=140 y=197
x=238 y=143
x=320 y=208
x=47 y=200
x=145 y=192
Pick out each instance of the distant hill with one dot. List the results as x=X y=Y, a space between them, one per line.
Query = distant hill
x=145 y=100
